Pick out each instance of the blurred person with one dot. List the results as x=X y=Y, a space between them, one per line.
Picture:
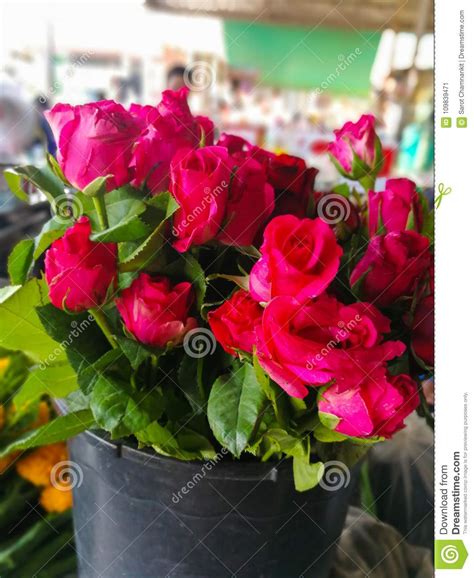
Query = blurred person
x=17 y=122
x=44 y=134
x=175 y=79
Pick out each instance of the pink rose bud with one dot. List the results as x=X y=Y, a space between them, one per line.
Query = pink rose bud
x=392 y=210
x=78 y=271
x=155 y=312
x=392 y=266
x=356 y=151
x=94 y=140
x=200 y=182
x=234 y=322
x=377 y=407
x=300 y=258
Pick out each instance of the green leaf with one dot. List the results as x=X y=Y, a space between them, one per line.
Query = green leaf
x=131 y=228
x=306 y=475
x=20 y=261
x=235 y=405
x=52 y=230
x=161 y=440
x=120 y=203
x=187 y=445
x=162 y=207
x=56 y=169
x=96 y=187
x=122 y=410
x=20 y=325
x=195 y=444
x=274 y=394
x=194 y=273
x=135 y=352
x=164 y=202
x=327 y=435
x=77 y=336
x=146 y=252
x=57 y=381
x=42 y=178
x=241 y=281
x=328 y=419
x=188 y=381
x=88 y=373
x=343 y=189
x=57 y=430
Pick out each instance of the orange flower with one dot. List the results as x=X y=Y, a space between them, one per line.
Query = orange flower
x=54 y=499
x=36 y=467
x=4 y=363
x=2 y=414
x=43 y=415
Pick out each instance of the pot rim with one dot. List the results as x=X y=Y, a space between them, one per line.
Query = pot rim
x=221 y=469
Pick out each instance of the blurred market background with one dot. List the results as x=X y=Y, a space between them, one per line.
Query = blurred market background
x=282 y=74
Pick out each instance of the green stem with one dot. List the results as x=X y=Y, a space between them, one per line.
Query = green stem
x=368 y=182
x=102 y=322
x=99 y=204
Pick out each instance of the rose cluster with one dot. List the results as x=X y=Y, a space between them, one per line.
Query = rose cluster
x=317 y=313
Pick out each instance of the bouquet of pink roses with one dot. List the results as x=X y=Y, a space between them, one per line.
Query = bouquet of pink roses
x=200 y=295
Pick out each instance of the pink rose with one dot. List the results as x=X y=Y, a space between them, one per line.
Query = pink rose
x=376 y=407
x=206 y=127
x=310 y=344
x=391 y=266
x=422 y=332
x=392 y=208
x=155 y=312
x=234 y=144
x=174 y=107
x=78 y=271
x=300 y=257
x=94 y=140
x=250 y=203
x=199 y=182
x=234 y=322
x=356 y=150
x=165 y=129
x=292 y=181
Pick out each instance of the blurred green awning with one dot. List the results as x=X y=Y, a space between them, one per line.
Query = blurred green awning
x=296 y=57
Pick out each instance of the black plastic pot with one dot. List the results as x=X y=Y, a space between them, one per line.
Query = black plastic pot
x=137 y=514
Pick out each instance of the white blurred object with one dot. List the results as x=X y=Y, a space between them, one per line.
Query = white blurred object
x=17 y=122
